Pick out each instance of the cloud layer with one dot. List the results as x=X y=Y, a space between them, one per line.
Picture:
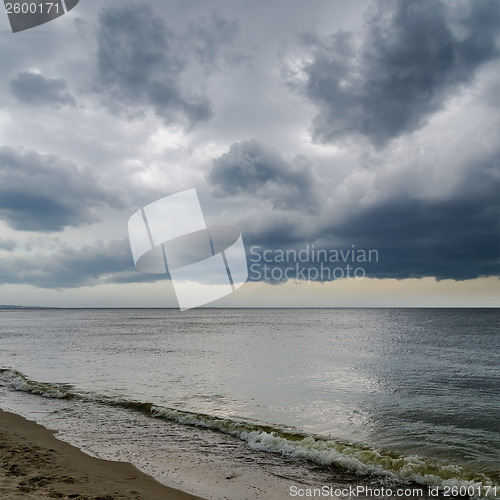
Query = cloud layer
x=71 y=268
x=46 y=193
x=140 y=65
x=418 y=229
x=35 y=89
x=254 y=168
x=413 y=56
x=335 y=126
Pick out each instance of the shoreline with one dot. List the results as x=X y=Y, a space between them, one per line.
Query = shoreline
x=34 y=465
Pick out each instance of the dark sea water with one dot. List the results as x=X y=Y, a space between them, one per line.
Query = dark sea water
x=409 y=396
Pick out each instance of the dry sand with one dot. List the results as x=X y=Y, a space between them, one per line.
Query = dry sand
x=35 y=465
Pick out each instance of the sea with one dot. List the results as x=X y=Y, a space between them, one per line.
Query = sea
x=323 y=399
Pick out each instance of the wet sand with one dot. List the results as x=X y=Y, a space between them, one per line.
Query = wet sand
x=35 y=465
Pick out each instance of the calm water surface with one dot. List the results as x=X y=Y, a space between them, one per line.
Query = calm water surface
x=414 y=382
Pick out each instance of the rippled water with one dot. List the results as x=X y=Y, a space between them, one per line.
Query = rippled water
x=407 y=393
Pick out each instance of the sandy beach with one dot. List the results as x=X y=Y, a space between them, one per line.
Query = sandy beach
x=35 y=465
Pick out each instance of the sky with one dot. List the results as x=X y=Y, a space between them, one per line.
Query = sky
x=354 y=145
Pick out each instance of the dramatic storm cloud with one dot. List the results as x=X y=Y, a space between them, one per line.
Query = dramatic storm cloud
x=139 y=63
x=416 y=238
x=368 y=125
x=447 y=230
x=45 y=193
x=254 y=168
x=414 y=55
x=69 y=267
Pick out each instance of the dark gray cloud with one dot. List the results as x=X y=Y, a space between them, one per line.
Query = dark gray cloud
x=253 y=168
x=453 y=239
x=46 y=193
x=414 y=56
x=451 y=235
x=449 y=239
x=426 y=210
x=140 y=65
x=68 y=267
x=35 y=89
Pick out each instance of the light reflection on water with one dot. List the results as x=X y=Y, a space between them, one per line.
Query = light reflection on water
x=423 y=381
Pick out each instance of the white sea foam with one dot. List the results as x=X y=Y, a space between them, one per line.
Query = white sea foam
x=357 y=459
x=350 y=457
x=19 y=382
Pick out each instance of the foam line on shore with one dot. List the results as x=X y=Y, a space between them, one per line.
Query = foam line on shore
x=351 y=457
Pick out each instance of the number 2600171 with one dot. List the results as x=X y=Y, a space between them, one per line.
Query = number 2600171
x=32 y=8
